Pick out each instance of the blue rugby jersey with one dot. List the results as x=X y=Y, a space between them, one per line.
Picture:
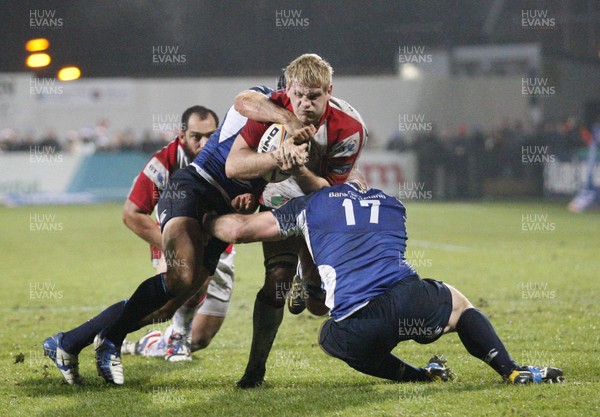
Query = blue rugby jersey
x=357 y=239
x=210 y=162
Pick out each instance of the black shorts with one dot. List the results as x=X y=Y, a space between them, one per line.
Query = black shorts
x=414 y=309
x=187 y=194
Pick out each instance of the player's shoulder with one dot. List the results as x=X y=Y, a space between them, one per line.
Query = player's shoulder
x=344 y=122
x=170 y=155
x=164 y=162
x=339 y=105
x=263 y=89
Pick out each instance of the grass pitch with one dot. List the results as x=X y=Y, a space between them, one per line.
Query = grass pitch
x=532 y=268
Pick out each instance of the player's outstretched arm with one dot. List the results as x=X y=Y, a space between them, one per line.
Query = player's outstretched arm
x=257 y=106
x=242 y=228
x=141 y=224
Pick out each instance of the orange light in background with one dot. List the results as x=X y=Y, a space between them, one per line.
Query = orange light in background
x=69 y=74
x=38 y=60
x=36 y=45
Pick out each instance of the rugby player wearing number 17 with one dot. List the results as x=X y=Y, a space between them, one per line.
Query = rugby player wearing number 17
x=357 y=238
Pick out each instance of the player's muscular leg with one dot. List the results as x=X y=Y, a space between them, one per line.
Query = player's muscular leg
x=478 y=335
x=184 y=243
x=459 y=304
x=280 y=264
x=315 y=297
x=204 y=328
x=168 y=310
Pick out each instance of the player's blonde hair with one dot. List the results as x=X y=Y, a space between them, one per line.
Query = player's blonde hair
x=310 y=70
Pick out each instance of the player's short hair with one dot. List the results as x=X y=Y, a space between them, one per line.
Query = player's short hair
x=202 y=113
x=310 y=70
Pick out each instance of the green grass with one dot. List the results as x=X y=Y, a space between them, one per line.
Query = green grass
x=479 y=248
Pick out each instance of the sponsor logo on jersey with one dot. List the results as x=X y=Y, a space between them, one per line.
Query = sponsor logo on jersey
x=157 y=172
x=346 y=147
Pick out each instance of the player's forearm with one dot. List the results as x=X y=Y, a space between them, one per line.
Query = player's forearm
x=240 y=228
x=258 y=107
x=309 y=181
x=228 y=228
x=144 y=226
x=245 y=164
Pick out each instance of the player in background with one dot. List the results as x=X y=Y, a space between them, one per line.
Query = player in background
x=202 y=315
x=191 y=254
x=357 y=238
x=337 y=135
x=589 y=196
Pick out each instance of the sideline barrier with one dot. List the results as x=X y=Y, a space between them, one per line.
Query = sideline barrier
x=46 y=177
x=568 y=174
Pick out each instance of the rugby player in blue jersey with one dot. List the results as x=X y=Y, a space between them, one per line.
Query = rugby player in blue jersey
x=191 y=255
x=357 y=238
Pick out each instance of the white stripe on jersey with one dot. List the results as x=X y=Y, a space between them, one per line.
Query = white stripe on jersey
x=182 y=159
x=212 y=182
x=234 y=121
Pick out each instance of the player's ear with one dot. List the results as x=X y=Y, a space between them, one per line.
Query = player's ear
x=330 y=89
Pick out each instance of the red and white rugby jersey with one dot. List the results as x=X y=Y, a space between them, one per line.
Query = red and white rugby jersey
x=147 y=186
x=153 y=178
x=340 y=137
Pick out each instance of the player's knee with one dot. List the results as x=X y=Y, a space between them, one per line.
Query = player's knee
x=460 y=303
x=201 y=341
x=278 y=281
x=269 y=298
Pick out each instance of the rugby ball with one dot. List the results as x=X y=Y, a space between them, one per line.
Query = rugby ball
x=270 y=141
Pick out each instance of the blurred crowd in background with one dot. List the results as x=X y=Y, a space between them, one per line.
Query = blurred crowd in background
x=469 y=162
x=464 y=162
x=87 y=140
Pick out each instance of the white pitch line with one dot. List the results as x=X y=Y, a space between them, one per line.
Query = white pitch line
x=441 y=246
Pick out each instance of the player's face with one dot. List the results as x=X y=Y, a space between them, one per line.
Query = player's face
x=309 y=103
x=197 y=134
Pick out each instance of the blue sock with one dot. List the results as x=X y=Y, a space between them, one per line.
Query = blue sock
x=480 y=340
x=151 y=295
x=389 y=367
x=75 y=340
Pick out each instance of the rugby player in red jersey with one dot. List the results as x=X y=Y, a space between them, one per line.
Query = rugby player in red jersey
x=337 y=134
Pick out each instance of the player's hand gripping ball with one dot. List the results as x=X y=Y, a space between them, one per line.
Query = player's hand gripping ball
x=287 y=153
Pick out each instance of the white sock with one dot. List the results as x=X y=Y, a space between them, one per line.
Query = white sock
x=182 y=320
